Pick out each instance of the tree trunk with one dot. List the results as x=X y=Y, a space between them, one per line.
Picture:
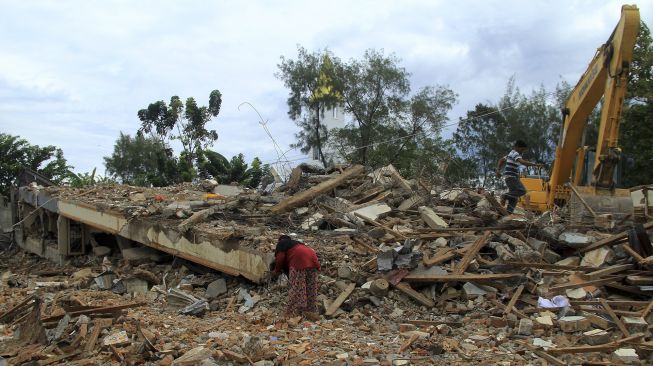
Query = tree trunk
x=317 y=135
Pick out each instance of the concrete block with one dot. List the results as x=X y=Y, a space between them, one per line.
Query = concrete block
x=626 y=355
x=135 y=285
x=525 y=327
x=537 y=245
x=635 y=324
x=574 y=240
x=472 y=291
x=550 y=256
x=215 y=289
x=227 y=190
x=570 y=324
x=596 y=336
x=597 y=257
x=373 y=211
x=431 y=218
x=544 y=320
x=313 y=222
x=101 y=251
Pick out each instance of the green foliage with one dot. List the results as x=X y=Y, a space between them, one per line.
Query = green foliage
x=87 y=179
x=637 y=116
x=188 y=119
x=488 y=132
x=16 y=153
x=215 y=165
x=143 y=161
x=314 y=86
x=375 y=93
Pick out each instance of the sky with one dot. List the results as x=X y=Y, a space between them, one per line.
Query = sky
x=74 y=73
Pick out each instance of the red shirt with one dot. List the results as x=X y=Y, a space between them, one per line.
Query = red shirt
x=298 y=257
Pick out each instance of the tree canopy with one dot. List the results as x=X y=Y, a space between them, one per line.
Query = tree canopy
x=16 y=153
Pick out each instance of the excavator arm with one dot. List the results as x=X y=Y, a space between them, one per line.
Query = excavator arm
x=605 y=77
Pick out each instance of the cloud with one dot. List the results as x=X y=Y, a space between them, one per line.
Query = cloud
x=73 y=74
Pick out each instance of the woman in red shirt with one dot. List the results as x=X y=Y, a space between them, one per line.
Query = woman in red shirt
x=301 y=264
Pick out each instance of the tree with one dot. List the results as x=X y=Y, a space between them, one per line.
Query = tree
x=16 y=153
x=488 y=132
x=215 y=165
x=189 y=120
x=87 y=179
x=374 y=93
x=142 y=161
x=314 y=87
x=637 y=115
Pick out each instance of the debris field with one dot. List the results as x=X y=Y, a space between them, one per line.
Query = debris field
x=412 y=274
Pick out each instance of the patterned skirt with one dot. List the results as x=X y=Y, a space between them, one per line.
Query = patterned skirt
x=302 y=291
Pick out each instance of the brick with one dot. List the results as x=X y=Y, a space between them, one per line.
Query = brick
x=570 y=324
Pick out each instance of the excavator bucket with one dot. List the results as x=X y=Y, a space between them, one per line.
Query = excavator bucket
x=600 y=207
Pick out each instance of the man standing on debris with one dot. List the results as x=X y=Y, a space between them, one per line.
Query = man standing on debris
x=512 y=161
x=300 y=261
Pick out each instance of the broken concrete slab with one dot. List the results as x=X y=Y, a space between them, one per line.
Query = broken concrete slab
x=142 y=253
x=597 y=257
x=626 y=355
x=574 y=323
x=313 y=222
x=227 y=190
x=525 y=327
x=215 y=289
x=431 y=218
x=574 y=240
x=472 y=291
x=373 y=212
x=635 y=324
x=596 y=336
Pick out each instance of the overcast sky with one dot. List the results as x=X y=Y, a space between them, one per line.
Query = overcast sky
x=74 y=73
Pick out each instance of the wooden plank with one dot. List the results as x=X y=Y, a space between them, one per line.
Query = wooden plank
x=494 y=203
x=96 y=310
x=633 y=253
x=614 y=317
x=598 y=321
x=639 y=280
x=432 y=323
x=408 y=342
x=543 y=354
x=52 y=360
x=582 y=200
x=613 y=303
x=513 y=300
x=614 y=239
x=567 y=286
x=408 y=291
x=471 y=253
x=609 y=270
x=17 y=308
x=460 y=278
x=98 y=325
x=600 y=348
x=498 y=304
x=439 y=257
x=648 y=309
x=549 y=266
x=335 y=305
x=374 y=223
x=307 y=195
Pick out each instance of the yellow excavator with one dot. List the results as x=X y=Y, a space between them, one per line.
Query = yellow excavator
x=607 y=77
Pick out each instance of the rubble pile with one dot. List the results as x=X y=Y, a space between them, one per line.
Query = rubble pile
x=411 y=274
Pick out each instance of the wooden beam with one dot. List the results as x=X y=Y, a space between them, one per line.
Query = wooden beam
x=568 y=286
x=460 y=278
x=648 y=309
x=335 y=305
x=307 y=195
x=408 y=342
x=549 y=266
x=98 y=325
x=494 y=203
x=582 y=200
x=633 y=253
x=374 y=223
x=471 y=253
x=609 y=270
x=600 y=348
x=408 y=291
x=614 y=239
x=498 y=304
x=513 y=300
x=614 y=317
x=96 y=310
